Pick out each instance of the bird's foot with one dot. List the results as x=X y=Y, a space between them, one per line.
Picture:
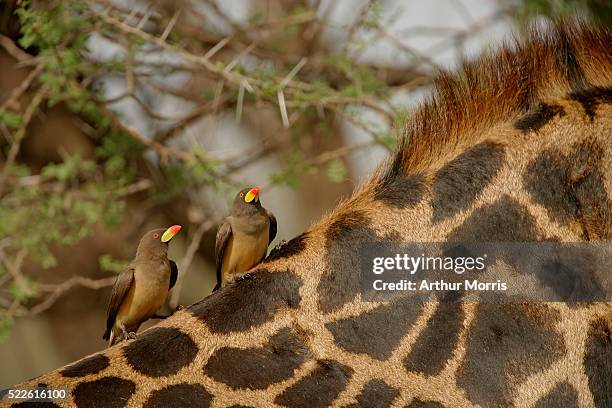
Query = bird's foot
x=179 y=307
x=277 y=248
x=245 y=276
x=281 y=244
x=131 y=336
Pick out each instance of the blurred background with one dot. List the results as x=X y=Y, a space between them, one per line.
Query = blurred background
x=117 y=117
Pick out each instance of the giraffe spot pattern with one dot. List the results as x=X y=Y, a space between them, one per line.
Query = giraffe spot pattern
x=180 y=396
x=291 y=248
x=339 y=283
x=376 y=332
x=520 y=340
x=345 y=239
x=458 y=183
x=590 y=98
x=257 y=368
x=505 y=220
x=399 y=190
x=106 y=392
x=375 y=394
x=538 y=117
x=417 y=403
x=319 y=388
x=161 y=351
x=571 y=187
x=563 y=395
x=35 y=404
x=598 y=361
x=247 y=303
x=437 y=341
x=89 y=365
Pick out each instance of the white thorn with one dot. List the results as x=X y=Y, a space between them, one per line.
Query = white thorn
x=170 y=26
x=283 y=108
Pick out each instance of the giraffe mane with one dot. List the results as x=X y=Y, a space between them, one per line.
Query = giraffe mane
x=548 y=62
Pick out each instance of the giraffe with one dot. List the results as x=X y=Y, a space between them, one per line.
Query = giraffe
x=514 y=147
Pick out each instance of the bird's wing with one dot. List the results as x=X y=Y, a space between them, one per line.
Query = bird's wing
x=173 y=273
x=272 y=233
x=223 y=235
x=122 y=287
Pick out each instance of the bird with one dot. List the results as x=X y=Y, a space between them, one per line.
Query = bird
x=243 y=238
x=141 y=288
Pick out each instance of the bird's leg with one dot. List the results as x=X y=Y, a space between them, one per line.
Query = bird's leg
x=131 y=335
x=124 y=332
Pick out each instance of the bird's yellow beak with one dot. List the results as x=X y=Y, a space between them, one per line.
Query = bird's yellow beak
x=170 y=233
x=253 y=194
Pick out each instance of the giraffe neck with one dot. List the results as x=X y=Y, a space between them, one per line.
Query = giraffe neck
x=516 y=148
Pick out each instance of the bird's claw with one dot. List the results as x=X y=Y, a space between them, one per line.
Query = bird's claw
x=179 y=307
x=245 y=276
x=281 y=244
x=131 y=335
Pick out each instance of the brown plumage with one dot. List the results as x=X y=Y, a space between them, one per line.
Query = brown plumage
x=141 y=289
x=243 y=238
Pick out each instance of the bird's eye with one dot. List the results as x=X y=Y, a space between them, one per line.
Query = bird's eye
x=241 y=194
x=155 y=235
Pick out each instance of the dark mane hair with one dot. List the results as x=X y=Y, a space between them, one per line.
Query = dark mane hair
x=549 y=62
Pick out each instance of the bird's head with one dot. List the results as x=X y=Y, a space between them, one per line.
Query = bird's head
x=247 y=201
x=156 y=241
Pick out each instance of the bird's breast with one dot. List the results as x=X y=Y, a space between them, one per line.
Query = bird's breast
x=148 y=293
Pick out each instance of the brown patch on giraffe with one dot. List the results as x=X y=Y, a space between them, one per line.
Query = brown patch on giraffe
x=340 y=282
x=180 y=396
x=89 y=365
x=503 y=84
x=398 y=189
x=376 y=332
x=538 y=117
x=250 y=302
x=375 y=394
x=257 y=368
x=458 y=183
x=106 y=392
x=289 y=249
x=590 y=98
x=519 y=339
x=505 y=220
x=436 y=343
x=598 y=360
x=571 y=187
x=563 y=395
x=319 y=388
x=35 y=404
x=160 y=351
x=417 y=403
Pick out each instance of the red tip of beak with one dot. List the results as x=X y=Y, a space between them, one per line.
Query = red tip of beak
x=255 y=191
x=175 y=229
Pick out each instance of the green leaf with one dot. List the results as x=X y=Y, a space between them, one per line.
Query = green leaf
x=109 y=264
x=10 y=119
x=6 y=322
x=336 y=171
